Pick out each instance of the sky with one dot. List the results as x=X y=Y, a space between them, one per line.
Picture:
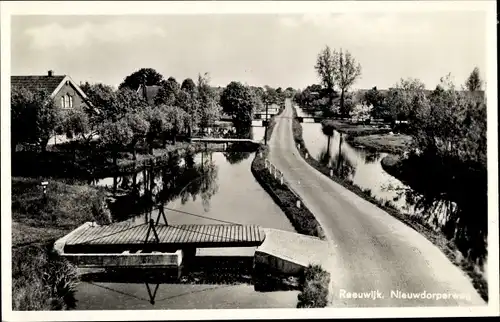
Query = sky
x=258 y=49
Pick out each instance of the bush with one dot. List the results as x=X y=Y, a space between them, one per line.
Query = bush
x=315 y=288
x=41 y=280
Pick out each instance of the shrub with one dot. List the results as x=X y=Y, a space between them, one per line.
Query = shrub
x=314 y=292
x=41 y=280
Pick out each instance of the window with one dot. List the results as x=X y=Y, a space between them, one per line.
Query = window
x=67 y=101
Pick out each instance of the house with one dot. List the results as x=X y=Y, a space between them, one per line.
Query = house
x=65 y=92
x=148 y=92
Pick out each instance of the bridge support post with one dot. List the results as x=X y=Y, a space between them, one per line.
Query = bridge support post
x=151 y=227
x=161 y=213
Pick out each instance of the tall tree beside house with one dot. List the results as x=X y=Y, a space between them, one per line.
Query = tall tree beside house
x=34 y=117
x=149 y=76
x=167 y=94
x=237 y=100
x=474 y=82
x=84 y=123
x=209 y=108
x=126 y=101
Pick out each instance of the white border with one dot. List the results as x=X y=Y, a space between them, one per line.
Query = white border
x=143 y=7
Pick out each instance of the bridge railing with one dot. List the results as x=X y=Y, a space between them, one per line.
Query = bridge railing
x=278 y=175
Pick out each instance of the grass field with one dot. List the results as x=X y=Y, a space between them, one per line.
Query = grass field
x=391 y=143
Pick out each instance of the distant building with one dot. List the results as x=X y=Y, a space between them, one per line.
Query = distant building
x=148 y=92
x=65 y=92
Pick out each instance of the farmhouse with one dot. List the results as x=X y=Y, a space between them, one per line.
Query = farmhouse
x=65 y=92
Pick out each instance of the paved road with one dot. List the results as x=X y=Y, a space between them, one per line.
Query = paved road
x=374 y=251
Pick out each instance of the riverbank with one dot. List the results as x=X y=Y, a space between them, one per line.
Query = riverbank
x=390 y=143
x=437 y=238
x=354 y=130
x=40 y=279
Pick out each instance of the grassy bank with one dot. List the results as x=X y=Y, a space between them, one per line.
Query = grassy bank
x=40 y=279
x=354 y=130
x=437 y=238
x=390 y=143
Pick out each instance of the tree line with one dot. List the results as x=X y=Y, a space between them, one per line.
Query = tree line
x=122 y=119
x=446 y=164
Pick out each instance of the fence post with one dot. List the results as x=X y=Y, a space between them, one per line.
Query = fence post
x=307 y=155
x=331 y=172
x=298 y=204
x=281 y=178
x=298 y=146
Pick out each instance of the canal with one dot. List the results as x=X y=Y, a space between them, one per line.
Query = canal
x=361 y=166
x=202 y=188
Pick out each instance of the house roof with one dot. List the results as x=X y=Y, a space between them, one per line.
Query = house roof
x=32 y=83
x=151 y=91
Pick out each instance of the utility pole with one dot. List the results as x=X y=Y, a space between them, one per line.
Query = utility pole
x=267 y=123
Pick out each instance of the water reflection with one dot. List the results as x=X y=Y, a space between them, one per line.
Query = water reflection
x=363 y=167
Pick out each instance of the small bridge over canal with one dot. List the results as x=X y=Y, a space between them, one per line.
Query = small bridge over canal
x=223 y=140
x=117 y=238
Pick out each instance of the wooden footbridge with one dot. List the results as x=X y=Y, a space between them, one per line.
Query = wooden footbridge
x=159 y=237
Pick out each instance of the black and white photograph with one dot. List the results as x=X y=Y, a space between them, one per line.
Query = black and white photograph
x=178 y=158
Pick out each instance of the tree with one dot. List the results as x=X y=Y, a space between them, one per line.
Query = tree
x=189 y=86
x=139 y=126
x=102 y=98
x=402 y=98
x=346 y=72
x=377 y=100
x=167 y=94
x=147 y=76
x=176 y=118
x=326 y=68
x=208 y=102
x=237 y=101
x=188 y=103
x=126 y=101
x=474 y=82
x=35 y=117
x=115 y=135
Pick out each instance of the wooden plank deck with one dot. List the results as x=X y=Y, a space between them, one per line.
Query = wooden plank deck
x=123 y=235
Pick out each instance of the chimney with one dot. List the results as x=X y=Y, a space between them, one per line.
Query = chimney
x=51 y=73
